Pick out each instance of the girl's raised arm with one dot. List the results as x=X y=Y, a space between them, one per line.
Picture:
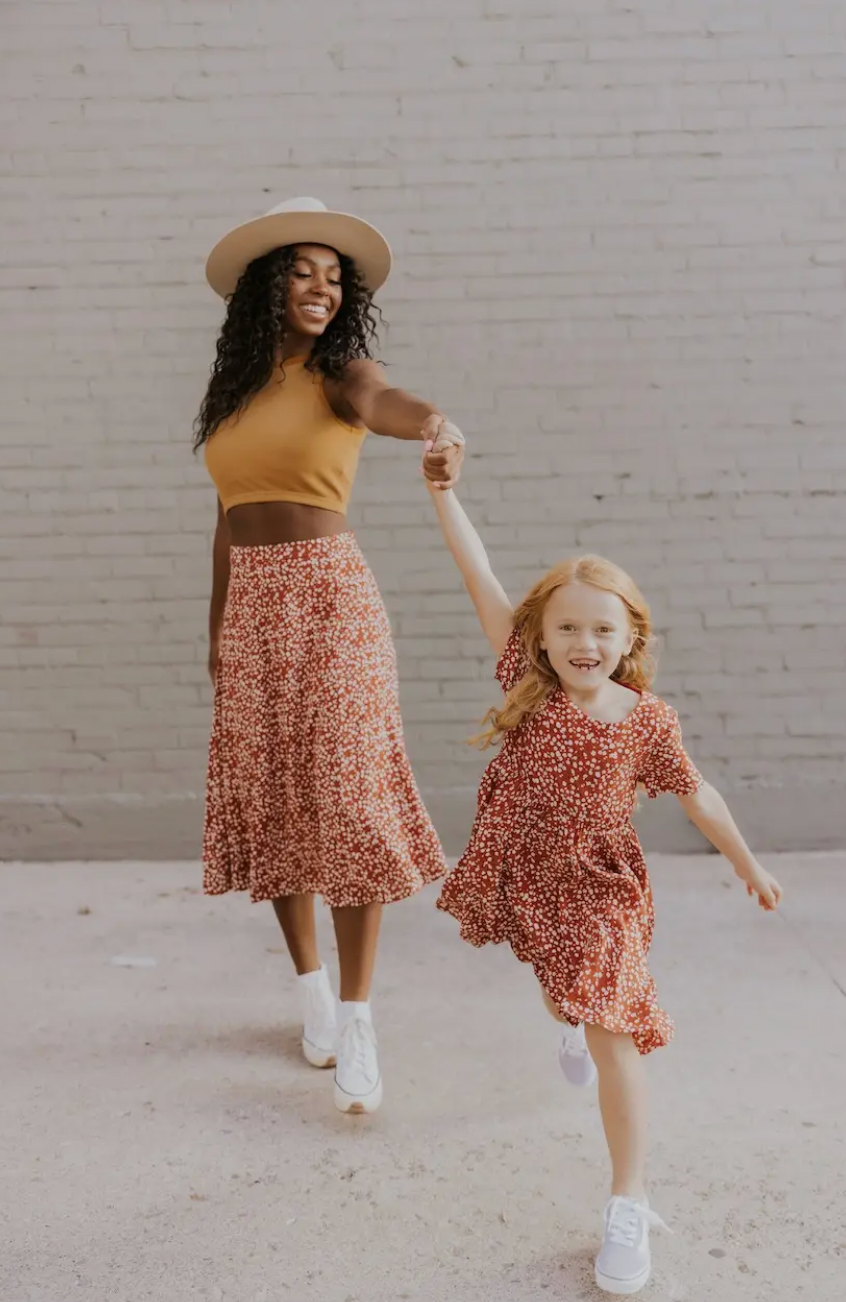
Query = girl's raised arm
x=487 y=593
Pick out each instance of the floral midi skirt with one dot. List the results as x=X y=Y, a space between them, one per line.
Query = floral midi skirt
x=309 y=785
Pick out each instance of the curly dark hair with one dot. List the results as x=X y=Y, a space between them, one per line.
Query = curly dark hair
x=255 y=325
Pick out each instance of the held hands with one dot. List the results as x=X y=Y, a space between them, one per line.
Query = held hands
x=759 y=882
x=443 y=453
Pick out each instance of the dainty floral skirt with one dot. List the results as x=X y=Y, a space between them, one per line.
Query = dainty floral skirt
x=309 y=785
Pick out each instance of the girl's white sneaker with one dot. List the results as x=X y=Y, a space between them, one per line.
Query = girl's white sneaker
x=624 y=1263
x=574 y=1057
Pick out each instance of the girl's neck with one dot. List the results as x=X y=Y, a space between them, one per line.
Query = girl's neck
x=611 y=702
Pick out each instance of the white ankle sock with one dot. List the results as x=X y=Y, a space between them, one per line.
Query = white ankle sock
x=355 y=1008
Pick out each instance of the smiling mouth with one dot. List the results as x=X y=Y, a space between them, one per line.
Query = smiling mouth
x=585 y=665
x=318 y=310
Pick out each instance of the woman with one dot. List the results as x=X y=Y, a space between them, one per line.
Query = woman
x=309 y=788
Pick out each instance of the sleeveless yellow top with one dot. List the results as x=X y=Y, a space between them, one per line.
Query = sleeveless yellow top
x=287 y=445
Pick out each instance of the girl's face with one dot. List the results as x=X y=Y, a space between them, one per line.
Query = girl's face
x=585 y=632
x=314 y=291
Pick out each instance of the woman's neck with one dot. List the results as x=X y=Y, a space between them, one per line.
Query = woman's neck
x=295 y=346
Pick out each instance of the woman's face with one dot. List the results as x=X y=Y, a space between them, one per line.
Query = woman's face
x=314 y=290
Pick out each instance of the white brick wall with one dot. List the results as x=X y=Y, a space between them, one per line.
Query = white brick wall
x=621 y=257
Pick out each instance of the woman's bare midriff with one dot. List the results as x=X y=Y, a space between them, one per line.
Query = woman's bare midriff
x=261 y=524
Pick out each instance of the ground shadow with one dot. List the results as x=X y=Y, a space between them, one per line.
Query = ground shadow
x=564 y=1277
x=187 y=1039
x=257 y=1041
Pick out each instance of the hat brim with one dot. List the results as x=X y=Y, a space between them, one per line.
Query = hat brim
x=349 y=235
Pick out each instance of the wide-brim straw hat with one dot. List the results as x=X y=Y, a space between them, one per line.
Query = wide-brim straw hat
x=299 y=221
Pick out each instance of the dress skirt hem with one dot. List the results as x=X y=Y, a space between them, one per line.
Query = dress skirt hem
x=585 y=928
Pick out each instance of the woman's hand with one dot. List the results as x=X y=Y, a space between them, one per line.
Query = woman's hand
x=440 y=430
x=761 y=883
x=214 y=656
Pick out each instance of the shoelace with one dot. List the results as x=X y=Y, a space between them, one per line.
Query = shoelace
x=625 y=1221
x=357 y=1042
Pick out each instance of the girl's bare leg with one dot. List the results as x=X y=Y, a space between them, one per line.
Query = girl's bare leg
x=623 y=1104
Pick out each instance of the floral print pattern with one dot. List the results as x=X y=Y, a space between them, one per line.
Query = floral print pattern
x=309 y=785
x=554 y=865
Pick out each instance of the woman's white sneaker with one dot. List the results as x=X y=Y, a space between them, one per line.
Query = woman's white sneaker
x=358 y=1081
x=624 y=1263
x=574 y=1057
x=319 y=1011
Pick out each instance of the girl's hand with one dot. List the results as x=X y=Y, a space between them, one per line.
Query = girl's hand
x=442 y=470
x=443 y=458
x=759 y=882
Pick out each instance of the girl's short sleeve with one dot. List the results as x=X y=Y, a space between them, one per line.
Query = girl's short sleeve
x=513 y=663
x=667 y=767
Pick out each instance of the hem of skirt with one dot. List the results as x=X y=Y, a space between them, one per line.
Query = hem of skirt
x=333 y=899
x=646 y=1037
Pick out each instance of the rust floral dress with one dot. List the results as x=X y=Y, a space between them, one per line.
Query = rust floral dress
x=554 y=865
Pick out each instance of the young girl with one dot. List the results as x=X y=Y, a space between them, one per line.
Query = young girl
x=554 y=865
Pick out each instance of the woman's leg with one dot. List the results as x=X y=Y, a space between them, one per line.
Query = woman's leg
x=295 y=914
x=317 y=1002
x=357 y=934
x=623 y=1104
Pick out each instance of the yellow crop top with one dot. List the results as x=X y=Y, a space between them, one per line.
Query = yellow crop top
x=287 y=445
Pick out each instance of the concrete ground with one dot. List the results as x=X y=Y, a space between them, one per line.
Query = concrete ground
x=164 y=1140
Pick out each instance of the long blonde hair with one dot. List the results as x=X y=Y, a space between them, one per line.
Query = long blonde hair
x=526 y=697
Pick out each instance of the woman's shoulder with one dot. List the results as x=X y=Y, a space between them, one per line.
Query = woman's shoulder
x=352 y=383
x=358 y=366
x=357 y=374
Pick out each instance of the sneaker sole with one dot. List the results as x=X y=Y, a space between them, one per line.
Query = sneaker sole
x=318 y=1057
x=623 y=1287
x=579 y=1084
x=355 y=1104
